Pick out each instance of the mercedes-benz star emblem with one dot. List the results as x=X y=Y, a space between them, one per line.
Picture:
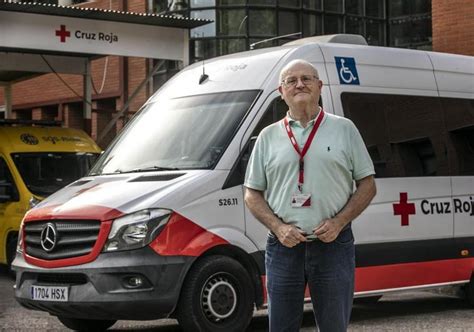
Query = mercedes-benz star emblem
x=49 y=237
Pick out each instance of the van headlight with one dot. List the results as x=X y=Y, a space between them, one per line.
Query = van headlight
x=136 y=230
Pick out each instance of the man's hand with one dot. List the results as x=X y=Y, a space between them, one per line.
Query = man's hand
x=289 y=235
x=328 y=230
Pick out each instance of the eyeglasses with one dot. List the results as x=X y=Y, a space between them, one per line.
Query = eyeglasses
x=290 y=82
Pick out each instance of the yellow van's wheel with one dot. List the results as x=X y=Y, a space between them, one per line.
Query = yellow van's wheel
x=218 y=295
x=11 y=252
x=86 y=324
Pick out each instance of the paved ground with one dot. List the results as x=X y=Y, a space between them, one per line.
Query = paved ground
x=413 y=311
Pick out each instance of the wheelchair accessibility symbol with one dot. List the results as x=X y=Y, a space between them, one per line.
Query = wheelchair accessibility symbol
x=347 y=71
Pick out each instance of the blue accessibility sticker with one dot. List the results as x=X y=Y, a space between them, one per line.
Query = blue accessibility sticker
x=346 y=70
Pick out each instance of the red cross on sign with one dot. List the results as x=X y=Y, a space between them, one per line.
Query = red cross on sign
x=404 y=208
x=63 y=33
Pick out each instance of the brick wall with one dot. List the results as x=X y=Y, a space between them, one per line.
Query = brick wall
x=453 y=26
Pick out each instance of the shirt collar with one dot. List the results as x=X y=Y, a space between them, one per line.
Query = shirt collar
x=310 y=123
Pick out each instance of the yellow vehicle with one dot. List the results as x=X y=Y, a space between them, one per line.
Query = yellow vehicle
x=35 y=161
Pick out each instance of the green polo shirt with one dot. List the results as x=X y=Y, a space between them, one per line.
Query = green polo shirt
x=336 y=157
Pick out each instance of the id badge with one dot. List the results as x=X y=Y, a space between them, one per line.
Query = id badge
x=300 y=200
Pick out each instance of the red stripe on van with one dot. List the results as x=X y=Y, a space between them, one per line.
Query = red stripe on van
x=387 y=277
x=183 y=237
x=413 y=274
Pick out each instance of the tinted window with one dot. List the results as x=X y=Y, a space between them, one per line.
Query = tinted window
x=275 y=112
x=187 y=133
x=46 y=173
x=414 y=136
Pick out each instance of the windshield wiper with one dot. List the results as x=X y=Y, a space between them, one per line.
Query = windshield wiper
x=151 y=169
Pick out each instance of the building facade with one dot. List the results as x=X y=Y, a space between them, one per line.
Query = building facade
x=240 y=25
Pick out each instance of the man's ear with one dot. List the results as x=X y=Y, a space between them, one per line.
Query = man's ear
x=280 y=90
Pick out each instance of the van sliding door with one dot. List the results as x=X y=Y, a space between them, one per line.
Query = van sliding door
x=405 y=237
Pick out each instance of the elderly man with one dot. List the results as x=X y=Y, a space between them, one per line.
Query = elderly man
x=299 y=184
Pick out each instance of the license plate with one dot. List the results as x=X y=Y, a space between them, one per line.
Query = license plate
x=49 y=293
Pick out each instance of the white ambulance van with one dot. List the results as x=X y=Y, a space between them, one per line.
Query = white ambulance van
x=159 y=227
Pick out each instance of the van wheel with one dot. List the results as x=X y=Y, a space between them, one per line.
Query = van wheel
x=218 y=295
x=86 y=324
x=470 y=291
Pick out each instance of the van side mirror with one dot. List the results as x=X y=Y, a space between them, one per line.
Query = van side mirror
x=7 y=192
x=246 y=156
x=237 y=173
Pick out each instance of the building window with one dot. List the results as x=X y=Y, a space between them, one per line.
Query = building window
x=230 y=22
x=312 y=4
x=411 y=32
x=355 y=7
x=398 y=23
x=208 y=30
x=288 y=22
x=375 y=32
x=262 y=22
x=289 y=3
x=333 y=6
x=262 y=2
x=375 y=8
x=312 y=25
x=354 y=25
x=410 y=23
x=332 y=24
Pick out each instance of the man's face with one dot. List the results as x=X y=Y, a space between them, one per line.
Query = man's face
x=300 y=86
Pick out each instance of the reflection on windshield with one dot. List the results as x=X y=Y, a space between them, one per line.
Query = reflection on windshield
x=46 y=173
x=182 y=133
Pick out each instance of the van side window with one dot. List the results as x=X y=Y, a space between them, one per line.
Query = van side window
x=459 y=117
x=414 y=135
x=7 y=185
x=275 y=112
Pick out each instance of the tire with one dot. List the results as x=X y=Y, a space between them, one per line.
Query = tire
x=470 y=291
x=218 y=295
x=86 y=324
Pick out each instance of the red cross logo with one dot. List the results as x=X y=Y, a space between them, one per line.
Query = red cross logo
x=63 y=33
x=404 y=208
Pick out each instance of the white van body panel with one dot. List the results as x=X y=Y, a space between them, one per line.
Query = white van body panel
x=454 y=78
x=383 y=67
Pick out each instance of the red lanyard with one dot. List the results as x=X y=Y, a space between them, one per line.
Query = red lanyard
x=306 y=146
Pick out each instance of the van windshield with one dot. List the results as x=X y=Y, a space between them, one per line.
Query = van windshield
x=181 y=133
x=47 y=172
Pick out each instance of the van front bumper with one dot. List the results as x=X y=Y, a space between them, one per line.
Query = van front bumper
x=106 y=288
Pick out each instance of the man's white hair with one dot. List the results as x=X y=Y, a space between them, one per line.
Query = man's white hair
x=293 y=63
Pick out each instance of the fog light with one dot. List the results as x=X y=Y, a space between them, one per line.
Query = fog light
x=134 y=282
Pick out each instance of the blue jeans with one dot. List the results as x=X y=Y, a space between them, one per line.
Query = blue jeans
x=327 y=268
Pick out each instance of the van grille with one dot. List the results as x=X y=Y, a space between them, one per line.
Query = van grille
x=59 y=239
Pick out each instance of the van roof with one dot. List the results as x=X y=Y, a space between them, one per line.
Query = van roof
x=259 y=69
x=45 y=139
